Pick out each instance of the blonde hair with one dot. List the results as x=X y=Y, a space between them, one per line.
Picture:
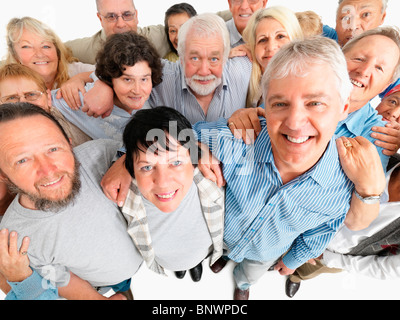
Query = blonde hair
x=15 y=28
x=310 y=23
x=288 y=20
x=15 y=70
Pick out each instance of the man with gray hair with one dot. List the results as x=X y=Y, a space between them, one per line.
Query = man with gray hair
x=205 y=85
x=353 y=17
x=287 y=194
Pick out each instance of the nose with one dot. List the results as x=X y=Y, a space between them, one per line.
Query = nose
x=271 y=46
x=45 y=166
x=245 y=4
x=162 y=178
x=393 y=114
x=296 y=117
x=364 y=68
x=204 y=68
x=120 y=22
x=39 y=52
x=135 y=87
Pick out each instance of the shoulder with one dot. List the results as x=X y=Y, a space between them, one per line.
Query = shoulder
x=97 y=148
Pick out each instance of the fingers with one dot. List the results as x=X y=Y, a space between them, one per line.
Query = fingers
x=25 y=246
x=122 y=194
x=245 y=124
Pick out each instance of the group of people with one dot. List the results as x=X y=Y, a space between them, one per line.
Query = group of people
x=245 y=136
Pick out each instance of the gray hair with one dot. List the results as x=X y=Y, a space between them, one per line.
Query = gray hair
x=384 y=5
x=204 y=26
x=295 y=57
x=390 y=32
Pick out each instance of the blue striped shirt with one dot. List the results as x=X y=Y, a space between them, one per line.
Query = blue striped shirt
x=230 y=96
x=264 y=218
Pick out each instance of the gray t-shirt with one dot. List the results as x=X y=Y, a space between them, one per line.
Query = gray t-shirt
x=180 y=239
x=89 y=237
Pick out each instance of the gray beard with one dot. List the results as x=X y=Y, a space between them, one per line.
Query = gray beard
x=203 y=90
x=47 y=205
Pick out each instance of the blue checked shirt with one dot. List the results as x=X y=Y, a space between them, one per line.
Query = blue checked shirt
x=264 y=218
x=228 y=97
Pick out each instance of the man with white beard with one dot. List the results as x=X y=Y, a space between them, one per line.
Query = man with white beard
x=204 y=85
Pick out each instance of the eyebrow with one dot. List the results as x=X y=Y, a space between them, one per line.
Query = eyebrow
x=305 y=97
x=134 y=75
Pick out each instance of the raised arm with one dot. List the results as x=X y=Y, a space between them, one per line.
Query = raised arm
x=361 y=163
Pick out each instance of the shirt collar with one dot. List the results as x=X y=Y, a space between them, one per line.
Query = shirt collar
x=352 y=122
x=235 y=37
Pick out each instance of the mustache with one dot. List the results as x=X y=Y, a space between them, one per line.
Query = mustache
x=205 y=78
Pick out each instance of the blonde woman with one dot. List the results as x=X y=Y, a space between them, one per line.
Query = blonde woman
x=266 y=32
x=33 y=44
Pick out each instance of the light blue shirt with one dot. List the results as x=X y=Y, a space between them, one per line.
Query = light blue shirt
x=228 y=97
x=111 y=127
x=234 y=34
x=32 y=288
x=360 y=123
x=265 y=218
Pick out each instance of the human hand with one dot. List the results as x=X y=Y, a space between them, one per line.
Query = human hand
x=240 y=51
x=388 y=137
x=282 y=269
x=14 y=263
x=361 y=163
x=70 y=89
x=210 y=167
x=116 y=182
x=245 y=124
x=98 y=101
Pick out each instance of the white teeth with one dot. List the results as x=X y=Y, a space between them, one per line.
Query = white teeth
x=51 y=183
x=298 y=140
x=167 y=196
x=356 y=83
x=245 y=15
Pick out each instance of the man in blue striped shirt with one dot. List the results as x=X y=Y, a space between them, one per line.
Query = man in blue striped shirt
x=287 y=194
x=204 y=85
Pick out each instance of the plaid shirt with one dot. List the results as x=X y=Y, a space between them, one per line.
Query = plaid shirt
x=212 y=203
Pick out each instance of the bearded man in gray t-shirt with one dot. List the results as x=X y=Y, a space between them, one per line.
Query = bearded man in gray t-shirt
x=79 y=238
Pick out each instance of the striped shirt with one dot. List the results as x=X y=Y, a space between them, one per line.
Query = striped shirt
x=264 y=218
x=228 y=97
x=111 y=127
x=234 y=35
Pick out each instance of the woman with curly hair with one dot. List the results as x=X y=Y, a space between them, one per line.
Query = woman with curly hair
x=129 y=65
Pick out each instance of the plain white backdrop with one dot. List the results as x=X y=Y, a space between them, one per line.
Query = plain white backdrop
x=77 y=18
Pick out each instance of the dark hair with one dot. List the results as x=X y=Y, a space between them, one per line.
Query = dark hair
x=177 y=9
x=150 y=126
x=20 y=110
x=127 y=49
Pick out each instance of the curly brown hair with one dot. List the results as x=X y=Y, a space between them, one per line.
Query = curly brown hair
x=125 y=50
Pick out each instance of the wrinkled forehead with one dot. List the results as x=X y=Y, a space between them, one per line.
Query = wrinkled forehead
x=353 y=6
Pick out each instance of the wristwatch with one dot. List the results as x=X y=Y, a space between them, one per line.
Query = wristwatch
x=370 y=199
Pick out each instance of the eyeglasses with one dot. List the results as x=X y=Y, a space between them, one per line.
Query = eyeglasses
x=28 y=96
x=126 y=16
x=239 y=2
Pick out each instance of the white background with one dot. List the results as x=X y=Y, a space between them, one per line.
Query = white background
x=77 y=18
